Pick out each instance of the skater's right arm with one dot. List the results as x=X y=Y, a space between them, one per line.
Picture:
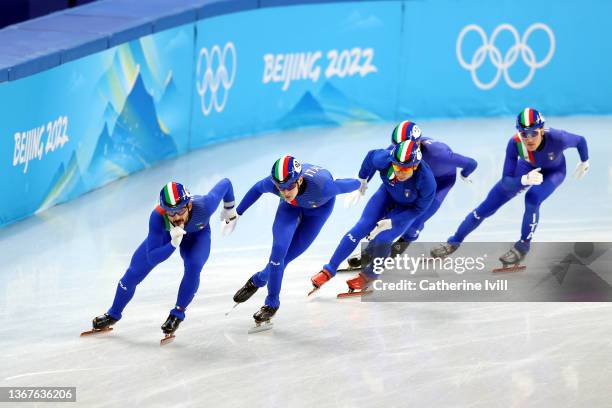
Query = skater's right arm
x=375 y=160
x=157 y=250
x=262 y=186
x=509 y=180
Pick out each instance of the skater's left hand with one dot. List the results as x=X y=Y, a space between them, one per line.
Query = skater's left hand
x=352 y=198
x=581 y=169
x=228 y=225
x=227 y=214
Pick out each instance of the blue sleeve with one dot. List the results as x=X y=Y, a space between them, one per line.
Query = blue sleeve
x=222 y=190
x=509 y=181
x=262 y=186
x=375 y=160
x=466 y=164
x=340 y=186
x=577 y=141
x=157 y=250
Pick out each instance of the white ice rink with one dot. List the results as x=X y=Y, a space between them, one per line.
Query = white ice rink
x=60 y=269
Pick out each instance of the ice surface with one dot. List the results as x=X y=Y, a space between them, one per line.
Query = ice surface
x=60 y=268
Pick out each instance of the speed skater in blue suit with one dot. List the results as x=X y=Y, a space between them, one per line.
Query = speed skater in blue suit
x=408 y=189
x=534 y=162
x=180 y=221
x=307 y=195
x=443 y=162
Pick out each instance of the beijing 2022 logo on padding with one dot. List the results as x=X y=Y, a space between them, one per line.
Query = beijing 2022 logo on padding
x=216 y=72
x=520 y=48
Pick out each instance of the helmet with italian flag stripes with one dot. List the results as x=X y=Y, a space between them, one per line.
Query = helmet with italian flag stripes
x=406 y=154
x=286 y=171
x=174 y=196
x=528 y=120
x=404 y=131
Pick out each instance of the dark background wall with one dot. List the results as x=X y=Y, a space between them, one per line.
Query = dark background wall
x=15 y=11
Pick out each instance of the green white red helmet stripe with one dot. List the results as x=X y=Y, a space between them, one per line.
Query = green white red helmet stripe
x=399 y=134
x=171 y=194
x=522 y=150
x=162 y=212
x=527 y=117
x=403 y=154
x=281 y=168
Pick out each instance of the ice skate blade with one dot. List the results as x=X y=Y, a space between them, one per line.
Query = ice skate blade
x=349 y=269
x=230 y=311
x=259 y=327
x=353 y=294
x=314 y=289
x=505 y=269
x=96 y=331
x=167 y=340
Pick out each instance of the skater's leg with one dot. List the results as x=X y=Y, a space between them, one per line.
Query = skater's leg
x=312 y=222
x=443 y=186
x=533 y=199
x=374 y=210
x=380 y=246
x=195 y=249
x=310 y=225
x=284 y=226
x=138 y=270
x=283 y=229
x=498 y=196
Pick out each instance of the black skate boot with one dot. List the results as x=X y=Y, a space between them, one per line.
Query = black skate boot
x=100 y=324
x=443 y=250
x=262 y=318
x=171 y=324
x=511 y=261
x=169 y=327
x=399 y=247
x=355 y=262
x=265 y=314
x=103 y=322
x=245 y=292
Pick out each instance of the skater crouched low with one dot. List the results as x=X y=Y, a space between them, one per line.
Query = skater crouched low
x=180 y=221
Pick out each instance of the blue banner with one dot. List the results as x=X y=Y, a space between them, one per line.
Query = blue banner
x=482 y=58
x=249 y=79
x=80 y=125
x=76 y=127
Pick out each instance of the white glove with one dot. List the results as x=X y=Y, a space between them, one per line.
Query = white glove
x=176 y=235
x=581 y=169
x=533 y=178
x=353 y=197
x=228 y=212
x=363 y=186
x=381 y=226
x=228 y=225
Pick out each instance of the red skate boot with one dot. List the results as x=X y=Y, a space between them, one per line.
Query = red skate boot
x=319 y=280
x=358 y=286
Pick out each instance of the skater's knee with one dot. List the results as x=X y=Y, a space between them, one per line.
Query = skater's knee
x=532 y=199
x=279 y=251
x=193 y=268
x=361 y=229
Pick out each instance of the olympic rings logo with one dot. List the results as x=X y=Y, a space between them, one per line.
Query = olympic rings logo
x=489 y=49
x=214 y=75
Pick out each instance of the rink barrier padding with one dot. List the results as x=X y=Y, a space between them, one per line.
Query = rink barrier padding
x=98 y=92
